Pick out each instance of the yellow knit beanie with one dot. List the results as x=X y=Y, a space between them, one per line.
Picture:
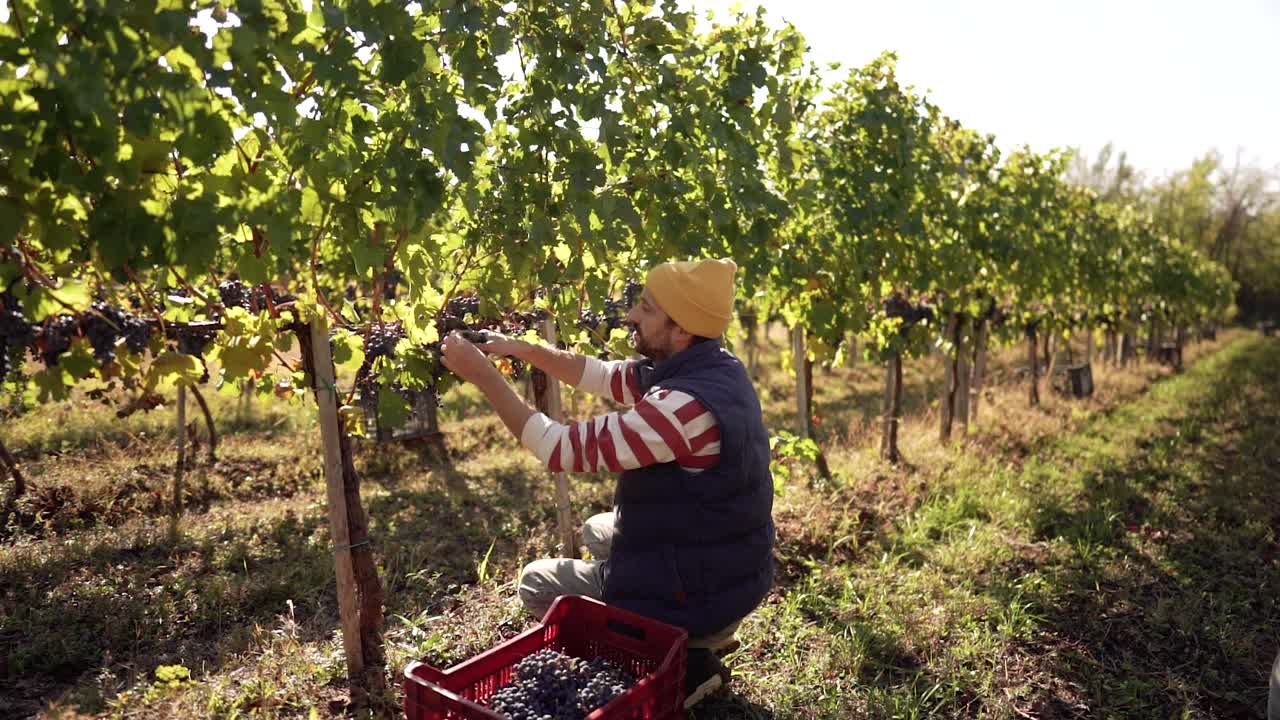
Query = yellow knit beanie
x=697 y=295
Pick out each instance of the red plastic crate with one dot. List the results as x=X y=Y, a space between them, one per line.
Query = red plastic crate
x=577 y=626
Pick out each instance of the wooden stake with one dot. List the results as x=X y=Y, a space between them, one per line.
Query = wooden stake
x=962 y=376
x=947 y=403
x=1051 y=342
x=892 y=409
x=799 y=358
x=981 y=335
x=182 y=451
x=1033 y=359
x=335 y=491
x=551 y=404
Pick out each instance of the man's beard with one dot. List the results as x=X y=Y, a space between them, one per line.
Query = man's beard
x=652 y=350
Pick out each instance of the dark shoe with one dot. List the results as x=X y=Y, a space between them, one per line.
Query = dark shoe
x=703 y=675
x=730 y=646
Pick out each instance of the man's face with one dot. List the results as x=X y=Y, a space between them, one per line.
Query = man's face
x=652 y=329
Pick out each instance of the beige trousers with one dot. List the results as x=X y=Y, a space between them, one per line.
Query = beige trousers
x=542 y=581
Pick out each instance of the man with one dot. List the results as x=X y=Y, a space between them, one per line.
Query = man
x=690 y=541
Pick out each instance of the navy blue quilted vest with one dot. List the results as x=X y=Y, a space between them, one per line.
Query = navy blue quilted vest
x=696 y=549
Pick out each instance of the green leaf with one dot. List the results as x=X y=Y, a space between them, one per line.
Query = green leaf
x=252 y=269
x=393 y=410
x=348 y=350
x=73 y=296
x=177 y=368
x=78 y=360
x=10 y=220
x=562 y=252
x=401 y=56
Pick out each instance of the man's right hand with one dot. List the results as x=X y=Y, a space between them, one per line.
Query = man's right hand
x=499 y=344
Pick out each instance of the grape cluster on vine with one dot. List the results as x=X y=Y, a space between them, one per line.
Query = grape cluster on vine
x=16 y=332
x=103 y=325
x=234 y=293
x=55 y=338
x=550 y=684
x=615 y=312
x=379 y=341
x=898 y=306
x=193 y=340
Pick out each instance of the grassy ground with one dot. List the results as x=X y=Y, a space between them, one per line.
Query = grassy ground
x=1114 y=557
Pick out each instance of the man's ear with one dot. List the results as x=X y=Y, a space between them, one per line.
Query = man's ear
x=680 y=337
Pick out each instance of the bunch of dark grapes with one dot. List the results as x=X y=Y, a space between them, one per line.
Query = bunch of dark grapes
x=194 y=340
x=137 y=333
x=15 y=332
x=550 y=684
x=631 y=294
x=453 y=316
x=258 y=299
x=460 y=306
x=604 y=682
x=103 y=325
x=919 y=313
x=896 y=306
x=233 y=293
x=999 y=318
x=379 y=341
x=590 y=320
x=55 y=338
x=522 y=321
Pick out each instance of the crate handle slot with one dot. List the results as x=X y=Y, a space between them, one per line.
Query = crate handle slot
x=627 y=629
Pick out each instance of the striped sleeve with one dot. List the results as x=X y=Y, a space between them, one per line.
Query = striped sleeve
x=615 y=379
x=664 y=426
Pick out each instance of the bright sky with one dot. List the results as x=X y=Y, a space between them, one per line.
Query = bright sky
x=1165 y=80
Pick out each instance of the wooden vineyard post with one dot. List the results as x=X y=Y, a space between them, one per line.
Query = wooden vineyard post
x=892 y=408
x=804 y=395
x=548 y=400
x=1033 y=360
x=981 y=334
x=800 y=359
x=359 y=590
x=947 y=404
x=19 y=484
x=1051 y=358
x=962 y=377
x=180 y=467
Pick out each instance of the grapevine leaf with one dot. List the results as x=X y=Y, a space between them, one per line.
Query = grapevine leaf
x=71 y=296
x=393 y=409
x=78 y=360
x=175 y=367
x=348 y=350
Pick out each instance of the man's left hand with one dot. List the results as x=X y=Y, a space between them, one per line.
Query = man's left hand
x=466 y=361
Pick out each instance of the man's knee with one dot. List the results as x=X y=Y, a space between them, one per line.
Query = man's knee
x=597 y=535
x=537 y=586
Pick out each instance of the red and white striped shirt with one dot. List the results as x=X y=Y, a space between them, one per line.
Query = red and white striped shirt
x=661 y=427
